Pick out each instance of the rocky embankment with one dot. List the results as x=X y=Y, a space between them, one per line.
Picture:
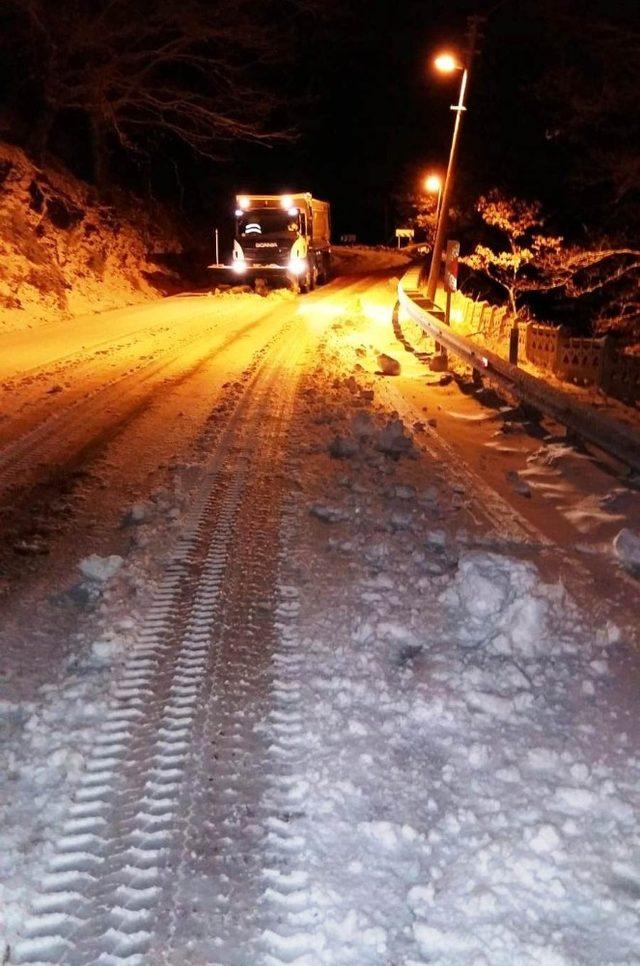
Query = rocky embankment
x=64 y=252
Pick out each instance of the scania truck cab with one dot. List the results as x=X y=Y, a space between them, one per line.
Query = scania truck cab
x=284 y=237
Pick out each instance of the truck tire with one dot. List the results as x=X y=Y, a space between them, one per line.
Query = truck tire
x=324 y=275
x=304 y=284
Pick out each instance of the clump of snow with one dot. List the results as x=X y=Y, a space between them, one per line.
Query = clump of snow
x=363 y=426
x=626 y=546
x=137 y=514
x=100 y=569
x=393 y=439
x=505 y=605
x=328 y=514
x=388 y=365
x=439 y=362
x=342 y=447
x=106 y=649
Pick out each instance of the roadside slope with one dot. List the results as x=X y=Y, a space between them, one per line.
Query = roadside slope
x=63 y=252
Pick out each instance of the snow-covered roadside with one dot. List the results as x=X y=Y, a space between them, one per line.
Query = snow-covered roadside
x=423 y=747
x=355 y=259
x=453 y=780
x=44 y=744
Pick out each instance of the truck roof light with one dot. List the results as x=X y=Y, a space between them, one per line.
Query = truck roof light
x=293 y=211
x=243 y=201
x=286 y=201
x=239 y=212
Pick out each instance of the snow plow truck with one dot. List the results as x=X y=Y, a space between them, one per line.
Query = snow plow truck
x=282 y=237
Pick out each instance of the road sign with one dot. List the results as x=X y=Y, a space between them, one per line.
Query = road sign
x=404 y=233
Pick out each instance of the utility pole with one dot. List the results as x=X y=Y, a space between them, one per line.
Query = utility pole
x=474 y=23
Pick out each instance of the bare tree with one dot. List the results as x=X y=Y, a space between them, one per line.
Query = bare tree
x=195 y=71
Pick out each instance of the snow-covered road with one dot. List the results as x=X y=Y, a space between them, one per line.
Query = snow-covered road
x=302 y=664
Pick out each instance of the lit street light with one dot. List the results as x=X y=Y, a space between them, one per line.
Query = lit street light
x=447 y=63
x=433 y=185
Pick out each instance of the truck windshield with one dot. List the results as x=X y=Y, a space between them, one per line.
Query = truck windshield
x=267 y=222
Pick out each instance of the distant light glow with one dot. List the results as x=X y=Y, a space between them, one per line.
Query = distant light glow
x=446 y=63
x=243 y=202
x=297 y=266
x=286 y=201
x=433 y=183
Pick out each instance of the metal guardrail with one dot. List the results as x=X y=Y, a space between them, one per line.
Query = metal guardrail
x=604 y=431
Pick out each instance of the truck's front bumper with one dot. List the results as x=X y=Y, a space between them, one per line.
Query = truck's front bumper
x=249 y=271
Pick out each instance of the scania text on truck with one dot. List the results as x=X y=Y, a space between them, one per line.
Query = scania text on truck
x=282 y=236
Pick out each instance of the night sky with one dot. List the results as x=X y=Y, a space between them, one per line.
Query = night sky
x=379 y=116
x=371 y=116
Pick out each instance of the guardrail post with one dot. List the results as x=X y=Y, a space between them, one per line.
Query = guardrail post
x=468 y=309
x=607 y=360
x=514 y=341
x=527 y=341
x=561 y=333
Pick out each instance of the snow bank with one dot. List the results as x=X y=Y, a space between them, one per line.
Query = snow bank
x=452 y=782
x=359 y=259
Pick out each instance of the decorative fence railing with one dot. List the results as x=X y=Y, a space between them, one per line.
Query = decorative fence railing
x=586 y=362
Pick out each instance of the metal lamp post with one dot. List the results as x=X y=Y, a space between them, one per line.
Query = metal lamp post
x=447 y=64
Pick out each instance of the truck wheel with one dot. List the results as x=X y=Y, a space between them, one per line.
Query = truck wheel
x=305 y=282
x=324 y=275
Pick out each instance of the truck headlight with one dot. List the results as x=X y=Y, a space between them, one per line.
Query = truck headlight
x=297 y=265
x=239 y=266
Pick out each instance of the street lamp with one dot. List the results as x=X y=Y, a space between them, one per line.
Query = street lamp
x=447 y=63
x=433 y=185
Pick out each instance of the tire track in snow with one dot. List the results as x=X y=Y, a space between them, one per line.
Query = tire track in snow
x=161 y=857
x=35 y=455
x=109 y=867
x=229 y=761
x=27 y=454
x=290 y=916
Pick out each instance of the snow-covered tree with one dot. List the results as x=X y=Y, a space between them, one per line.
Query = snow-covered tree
x=520 y=223
x=531 y=260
